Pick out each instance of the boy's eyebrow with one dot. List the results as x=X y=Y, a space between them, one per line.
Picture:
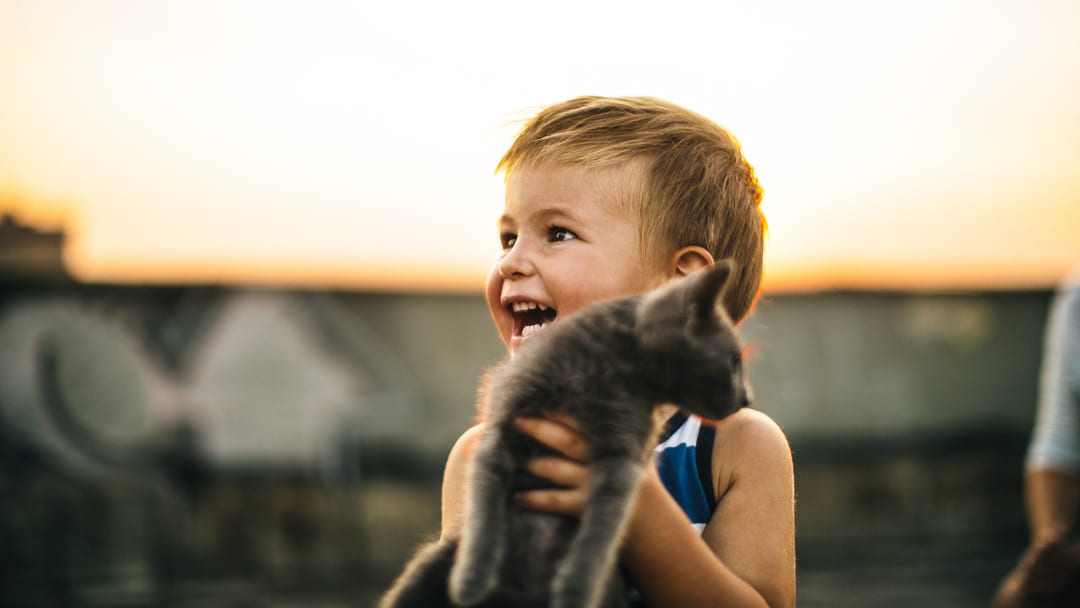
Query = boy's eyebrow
x=557 y=211
x=544 y=214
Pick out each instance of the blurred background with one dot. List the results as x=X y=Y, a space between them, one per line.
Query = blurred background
x=242 y=248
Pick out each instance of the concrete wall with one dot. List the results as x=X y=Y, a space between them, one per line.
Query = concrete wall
x=867 y=365
x=840 y=366
x=325 y=418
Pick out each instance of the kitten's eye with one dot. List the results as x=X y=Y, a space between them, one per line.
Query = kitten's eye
x=558 y=233
x=507 y=239
x=736 y=362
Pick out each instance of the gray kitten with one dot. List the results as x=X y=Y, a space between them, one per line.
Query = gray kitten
x=607 y=367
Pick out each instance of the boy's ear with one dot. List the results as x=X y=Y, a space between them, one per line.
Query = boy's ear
x=690 y=259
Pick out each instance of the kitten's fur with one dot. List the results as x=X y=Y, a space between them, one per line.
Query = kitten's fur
x=608 y=367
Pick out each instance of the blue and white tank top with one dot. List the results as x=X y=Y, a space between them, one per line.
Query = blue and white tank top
x=684 y=459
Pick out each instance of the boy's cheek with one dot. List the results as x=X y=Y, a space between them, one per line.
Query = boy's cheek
x=493 y=288
x=504 y=324
x=493 y=295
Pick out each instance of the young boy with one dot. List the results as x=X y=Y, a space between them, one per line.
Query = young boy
x=610 y=197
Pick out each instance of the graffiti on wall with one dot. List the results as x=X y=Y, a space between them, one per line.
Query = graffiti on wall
x=271 y=380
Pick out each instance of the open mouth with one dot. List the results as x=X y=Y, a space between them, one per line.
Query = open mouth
x=531 y=317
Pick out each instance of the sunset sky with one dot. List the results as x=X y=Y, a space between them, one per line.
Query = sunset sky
x=920 y=144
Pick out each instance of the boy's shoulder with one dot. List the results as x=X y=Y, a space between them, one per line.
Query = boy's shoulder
x=748 y=443
x=748 y=424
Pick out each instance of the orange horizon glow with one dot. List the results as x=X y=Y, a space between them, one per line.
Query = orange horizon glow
x=869 y=275
x=421 y=278
x=821 y=276
x=781 y=276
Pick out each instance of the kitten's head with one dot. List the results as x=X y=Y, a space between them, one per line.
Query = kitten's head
x=691 y=344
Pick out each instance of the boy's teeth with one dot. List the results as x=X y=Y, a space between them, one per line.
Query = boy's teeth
x=531 y=317
x=527 y=306
x=529 y=330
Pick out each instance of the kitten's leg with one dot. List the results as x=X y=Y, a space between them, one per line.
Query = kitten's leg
x=483 y=539
x=591 y=560
x=423 y=582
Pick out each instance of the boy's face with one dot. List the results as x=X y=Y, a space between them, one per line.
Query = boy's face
x=568 y=241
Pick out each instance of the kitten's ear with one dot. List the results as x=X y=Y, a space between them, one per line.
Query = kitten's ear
x=683 y=305
x=706 y=289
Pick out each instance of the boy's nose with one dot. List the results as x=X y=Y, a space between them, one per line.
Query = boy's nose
x=515 y=263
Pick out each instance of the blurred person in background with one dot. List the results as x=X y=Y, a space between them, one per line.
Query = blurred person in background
x=1048 y=572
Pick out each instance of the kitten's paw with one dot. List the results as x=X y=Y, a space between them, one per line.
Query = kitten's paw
x=570 y=600
x=563 y=597
x=470 y=586
x=571 y=591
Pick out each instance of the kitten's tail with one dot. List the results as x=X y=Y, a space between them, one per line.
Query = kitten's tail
x=423 y=584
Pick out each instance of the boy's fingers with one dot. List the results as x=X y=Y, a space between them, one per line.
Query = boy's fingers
x=562 y=419
x=561 y=471
x=563 y=502
x=556 y=435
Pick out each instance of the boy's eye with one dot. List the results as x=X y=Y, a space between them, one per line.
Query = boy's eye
x=558 y=233
x=507 y=239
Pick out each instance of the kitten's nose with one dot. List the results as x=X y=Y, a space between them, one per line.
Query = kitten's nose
x=747 y=396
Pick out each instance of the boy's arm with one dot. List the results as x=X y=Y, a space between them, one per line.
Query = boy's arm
x=1053 y=499
x=453 y=487
x=1052 y=470
x=747 y=554
x=1053 y=503
x=1052 y=479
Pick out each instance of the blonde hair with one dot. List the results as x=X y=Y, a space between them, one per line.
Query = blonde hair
x=697 y=188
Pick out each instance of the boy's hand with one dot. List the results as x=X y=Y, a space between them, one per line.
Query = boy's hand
x=560 y=433
x=1048 y=574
